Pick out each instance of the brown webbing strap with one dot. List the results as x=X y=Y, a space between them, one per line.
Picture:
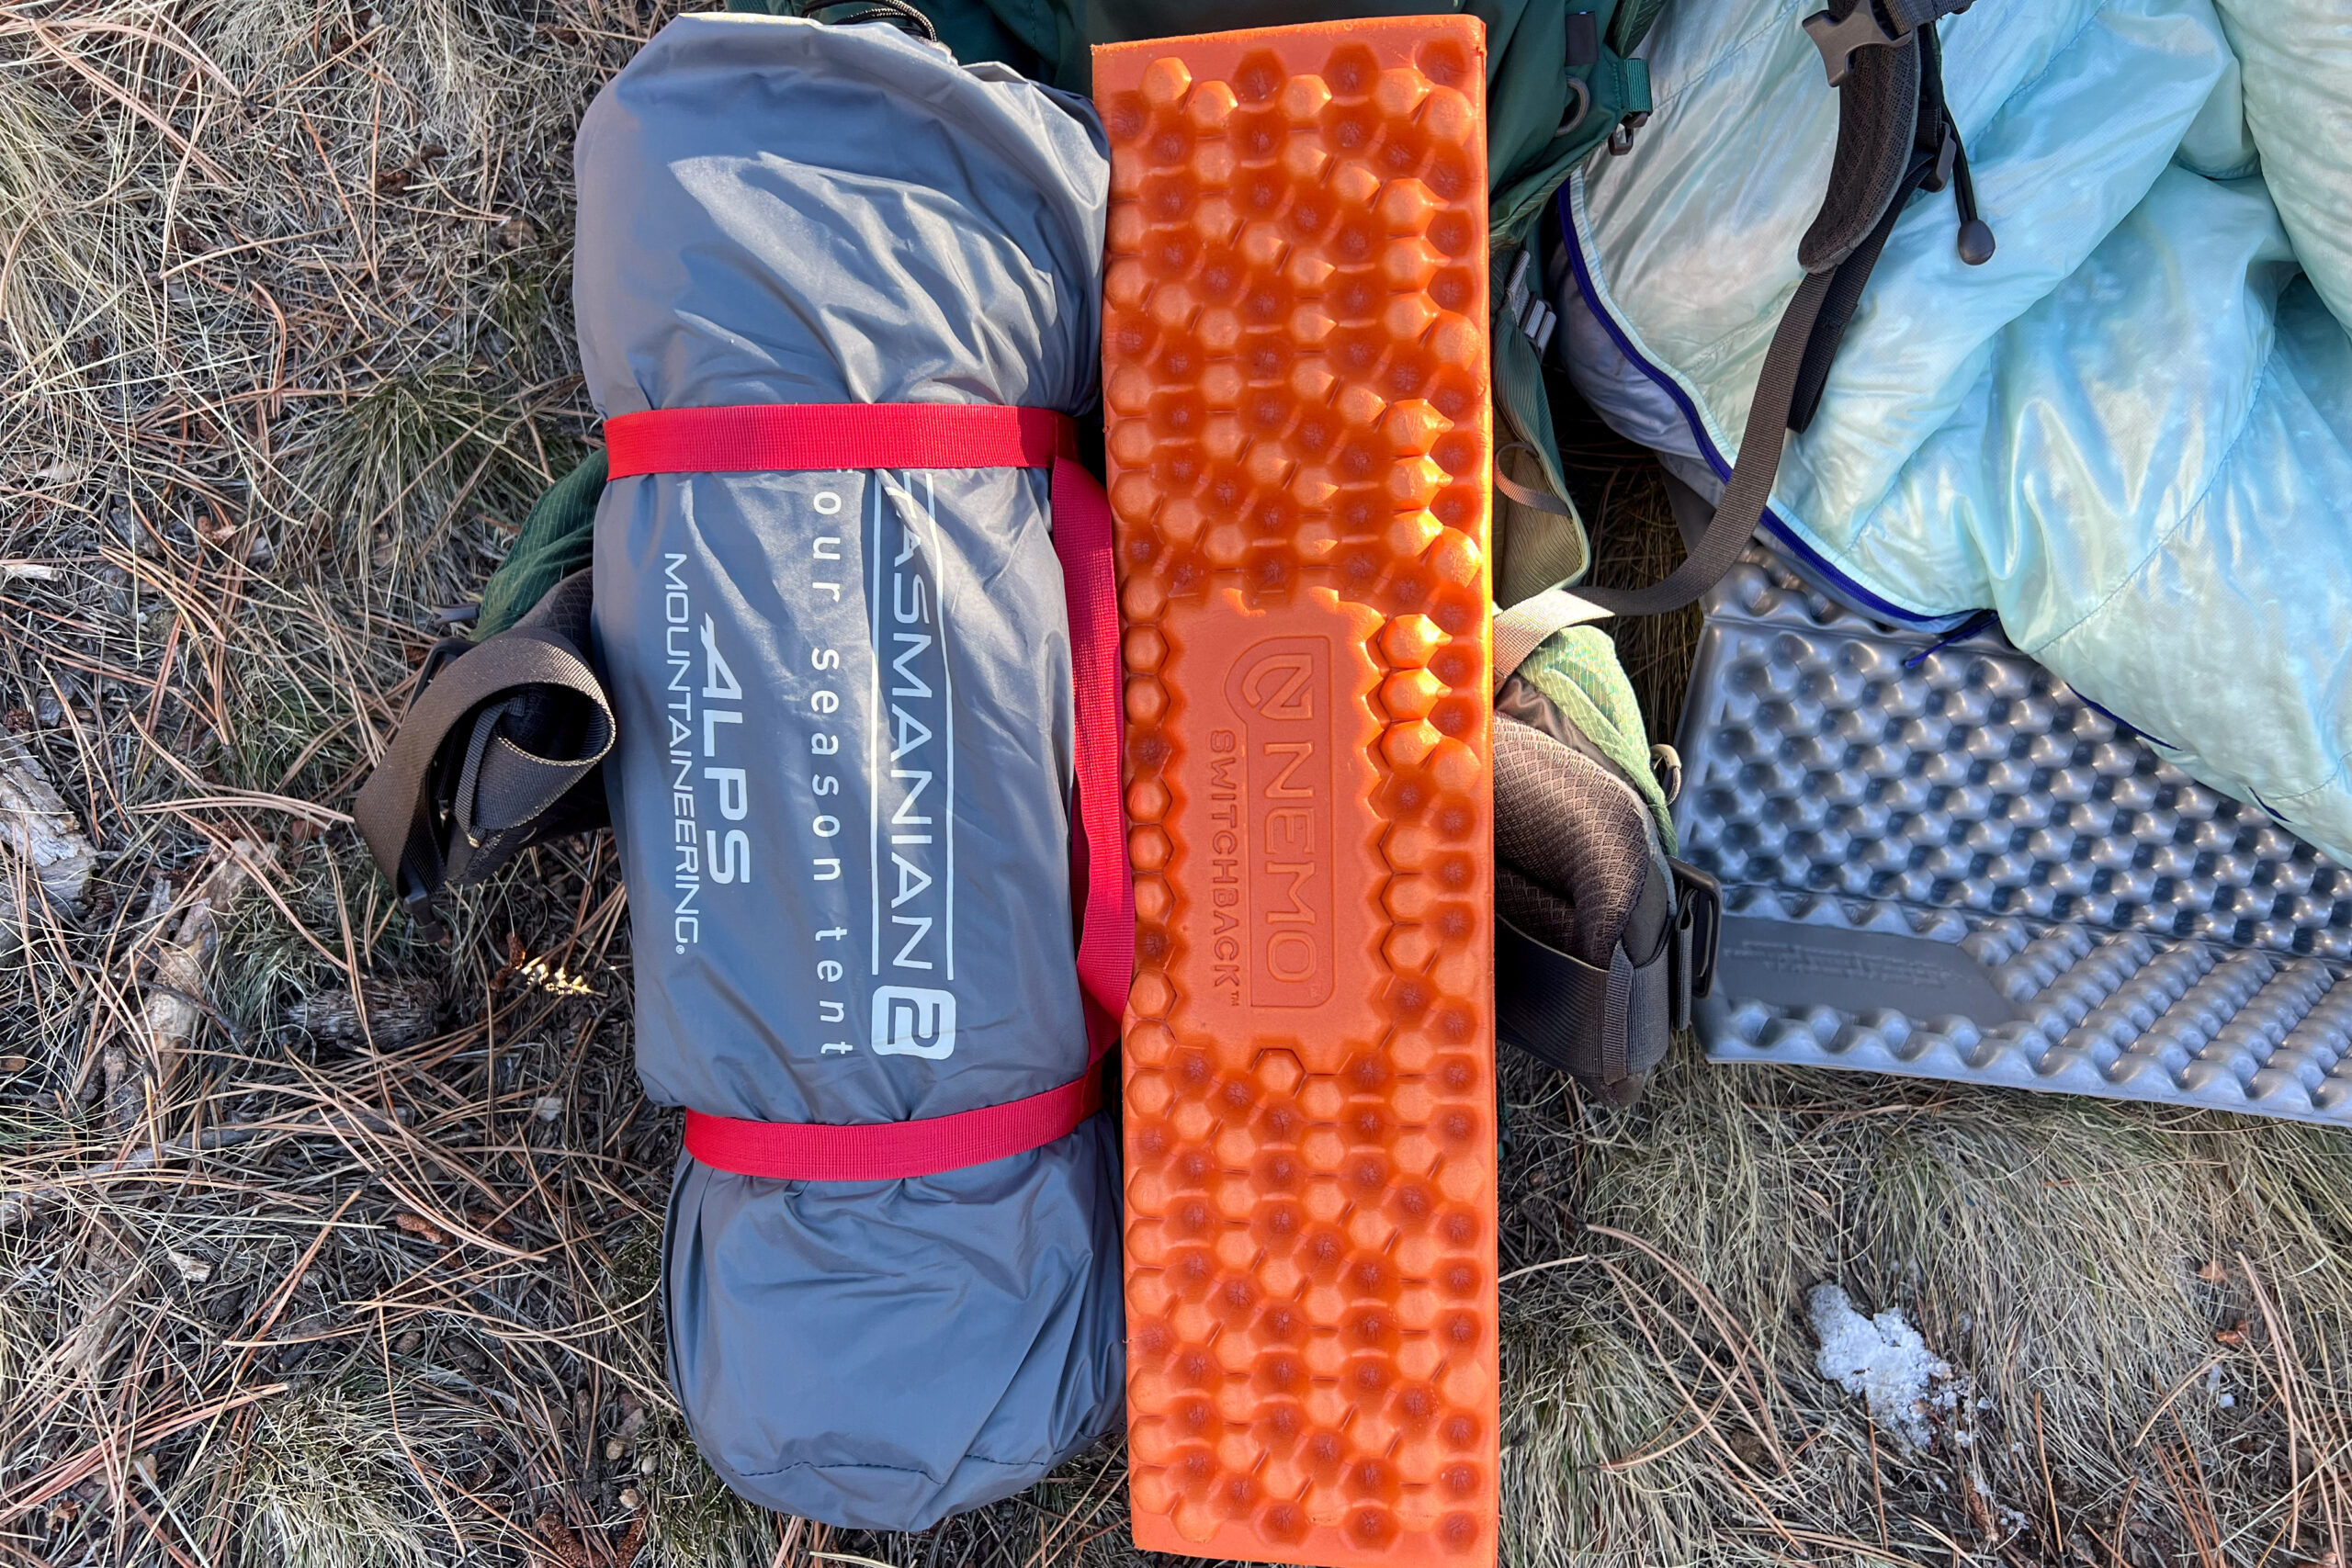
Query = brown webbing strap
x=1752 y=473
x=468 y=780
x=1874 y=56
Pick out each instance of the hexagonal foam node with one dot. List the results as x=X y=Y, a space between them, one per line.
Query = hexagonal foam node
x=1297 y=400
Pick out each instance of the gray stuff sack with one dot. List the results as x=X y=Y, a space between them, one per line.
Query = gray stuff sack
x=849 y=876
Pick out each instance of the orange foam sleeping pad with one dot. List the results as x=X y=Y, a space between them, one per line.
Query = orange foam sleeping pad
x=1295 y=382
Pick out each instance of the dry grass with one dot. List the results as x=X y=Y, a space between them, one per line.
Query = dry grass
x=291 y=1278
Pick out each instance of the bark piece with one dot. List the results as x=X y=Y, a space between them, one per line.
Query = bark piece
x=40 y=834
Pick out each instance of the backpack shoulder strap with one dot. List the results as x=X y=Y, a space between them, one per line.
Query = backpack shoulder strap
x=1752 y=473
x=1873 y=52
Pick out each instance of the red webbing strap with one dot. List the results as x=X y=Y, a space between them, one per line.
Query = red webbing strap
x=1106 y=942
x=886 y=1151
x=799 y=438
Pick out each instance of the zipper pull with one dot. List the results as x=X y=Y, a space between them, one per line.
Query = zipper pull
x=1976 y=234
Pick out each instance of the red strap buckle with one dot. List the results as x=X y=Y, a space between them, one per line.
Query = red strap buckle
x=799 y=438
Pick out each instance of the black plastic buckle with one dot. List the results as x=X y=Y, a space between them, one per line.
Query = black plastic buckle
x=421 y=912
x=1621 y=138
x=1862 y=28
x=419 y=902
x=1947 y=156
x=445 y=652
x=1699 y=917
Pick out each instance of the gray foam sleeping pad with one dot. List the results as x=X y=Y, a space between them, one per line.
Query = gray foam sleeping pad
x=849 y=876
x=1939 y=861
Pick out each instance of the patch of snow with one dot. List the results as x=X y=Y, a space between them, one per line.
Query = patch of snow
x=1884 y=1360
x=2221 y=1397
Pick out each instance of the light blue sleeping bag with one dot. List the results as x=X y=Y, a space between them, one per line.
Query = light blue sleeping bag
x=2130 y=433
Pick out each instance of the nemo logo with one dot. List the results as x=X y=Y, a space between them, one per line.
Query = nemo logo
x=1280 y=802
x=1282 y=685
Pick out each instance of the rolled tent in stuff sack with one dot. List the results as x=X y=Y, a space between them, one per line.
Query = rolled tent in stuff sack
x=850 y=875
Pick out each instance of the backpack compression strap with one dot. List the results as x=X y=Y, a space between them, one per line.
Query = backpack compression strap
x=499 y=750
x=1880 y=56
x=801 y=437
